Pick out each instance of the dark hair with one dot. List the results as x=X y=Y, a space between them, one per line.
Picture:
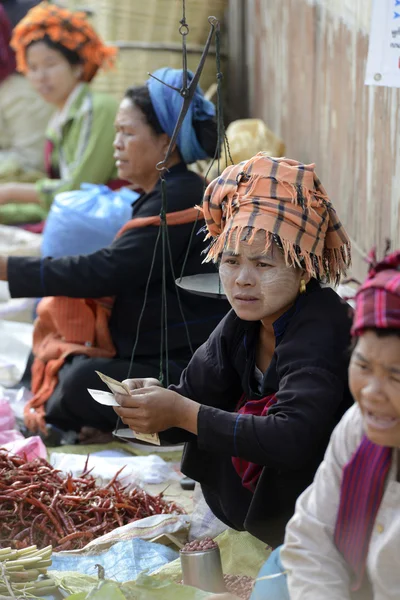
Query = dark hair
x=70 y=56
x=140 y=97
x=382 y=333
x=206 y=131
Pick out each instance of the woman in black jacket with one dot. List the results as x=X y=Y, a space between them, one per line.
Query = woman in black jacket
x=259 y=399
x=144 y=125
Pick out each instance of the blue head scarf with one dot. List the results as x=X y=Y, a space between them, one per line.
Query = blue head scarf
x=167 y=105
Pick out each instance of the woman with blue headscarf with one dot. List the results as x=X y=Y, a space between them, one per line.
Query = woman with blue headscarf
x=144 y=125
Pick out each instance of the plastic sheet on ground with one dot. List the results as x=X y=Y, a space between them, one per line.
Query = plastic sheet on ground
x=145 y=588
x=121 y=562
x=18 y=242
x=15 y=346
x=241 y=554
x=139 y=470
x=146 y=529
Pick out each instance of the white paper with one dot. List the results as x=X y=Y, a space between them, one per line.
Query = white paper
x=383 y=65
x=139 y=470
x=102 y=397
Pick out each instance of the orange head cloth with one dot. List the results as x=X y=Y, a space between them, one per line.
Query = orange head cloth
x=70 y=29
x=286 y=200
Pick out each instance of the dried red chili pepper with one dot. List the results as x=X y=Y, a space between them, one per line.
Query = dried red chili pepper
x=38 y=503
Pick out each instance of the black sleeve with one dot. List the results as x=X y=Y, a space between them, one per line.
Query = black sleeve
x=210 y=377
x=312 y=376
x=124 y=264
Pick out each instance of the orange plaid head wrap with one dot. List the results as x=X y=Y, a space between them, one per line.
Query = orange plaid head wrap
x=285 y=199
x=70 y=29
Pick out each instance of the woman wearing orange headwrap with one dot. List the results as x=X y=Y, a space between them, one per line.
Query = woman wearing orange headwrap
x=258 y=401
x=60 y=53
x=23 y=116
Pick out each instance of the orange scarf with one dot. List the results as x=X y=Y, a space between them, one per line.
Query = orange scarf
x=285 y=199
x=70 y=29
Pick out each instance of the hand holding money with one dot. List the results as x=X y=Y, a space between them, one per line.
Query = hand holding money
x=136 y=384
x=154 y=408
x=122 y=390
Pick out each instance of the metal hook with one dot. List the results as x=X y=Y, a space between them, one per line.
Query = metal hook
x=188 y=92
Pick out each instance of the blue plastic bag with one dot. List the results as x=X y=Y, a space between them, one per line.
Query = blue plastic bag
x=86 y=220
x=122 y=562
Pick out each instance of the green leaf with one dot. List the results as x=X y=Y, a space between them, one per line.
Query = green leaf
x=151 y=588
x=107 y=590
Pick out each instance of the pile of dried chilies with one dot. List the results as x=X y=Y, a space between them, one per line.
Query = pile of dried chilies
x=40 y=505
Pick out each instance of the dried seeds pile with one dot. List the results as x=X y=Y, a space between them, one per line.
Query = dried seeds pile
x=239 y=585
x=200 y=545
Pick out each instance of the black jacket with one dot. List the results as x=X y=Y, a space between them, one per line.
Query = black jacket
x=308 y=373
x=122 y=270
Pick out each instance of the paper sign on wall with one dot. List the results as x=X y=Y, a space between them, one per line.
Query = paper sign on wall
x=383 y=66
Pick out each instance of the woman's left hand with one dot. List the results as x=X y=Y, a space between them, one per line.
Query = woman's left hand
x=153 y=409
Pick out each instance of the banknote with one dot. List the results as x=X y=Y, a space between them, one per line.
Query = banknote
x=117 y=387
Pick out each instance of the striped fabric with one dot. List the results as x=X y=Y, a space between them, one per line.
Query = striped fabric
x=378 y=299
x=362 y=488
x=284 y=198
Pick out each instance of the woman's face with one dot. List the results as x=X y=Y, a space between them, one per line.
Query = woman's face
x=374 y=377
x=51 y=74
x=137 y=148
x=259 y=285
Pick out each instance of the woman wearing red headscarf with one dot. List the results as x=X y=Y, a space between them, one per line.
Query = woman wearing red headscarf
x=23 y=116
x=344 y=539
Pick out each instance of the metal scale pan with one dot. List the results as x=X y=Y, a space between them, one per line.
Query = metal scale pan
x=205 y=284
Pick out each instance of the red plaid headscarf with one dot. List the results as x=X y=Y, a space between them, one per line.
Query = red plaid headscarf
x=7 y=57
x=378 y=299
x=287 y=201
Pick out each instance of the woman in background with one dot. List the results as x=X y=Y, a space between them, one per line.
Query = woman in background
x=23 y=116
x=67 y=356
x=60 y=54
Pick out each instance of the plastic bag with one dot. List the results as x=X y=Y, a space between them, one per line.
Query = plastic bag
x=86 y=220
x=122 y=562
x=28 y=448
x=139 y=470
x=204 y=523
x=7 y=419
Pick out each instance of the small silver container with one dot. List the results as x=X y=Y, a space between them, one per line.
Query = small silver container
x=203 y=570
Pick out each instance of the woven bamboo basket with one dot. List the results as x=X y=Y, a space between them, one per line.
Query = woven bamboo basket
x=150 y=20
x=134 y=64
x=147 y=34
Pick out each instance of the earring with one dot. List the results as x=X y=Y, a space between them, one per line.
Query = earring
x=302 y=286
